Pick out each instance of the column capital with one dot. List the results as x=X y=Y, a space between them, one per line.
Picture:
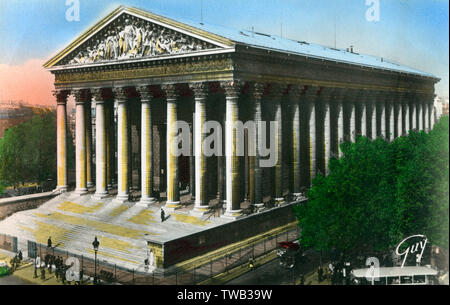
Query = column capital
x=296 y=91
x=61 y=96
x=98 y=94
x=144 y=93
x=232 y=88
x=171 y=91
x=256 y=90
x=312 y=92
x=201 y=90
x=277 y=90
x=82 y=96
x=120 y=94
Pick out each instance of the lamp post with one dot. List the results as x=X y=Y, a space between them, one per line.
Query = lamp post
x=95 y=244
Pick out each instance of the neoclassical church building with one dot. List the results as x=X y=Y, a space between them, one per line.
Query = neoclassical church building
x=143 y=72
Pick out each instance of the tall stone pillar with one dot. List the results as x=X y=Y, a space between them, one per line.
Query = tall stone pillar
x=311 y=98
x=413 y=114
x=233 y=205
x=173 y=190
x=201 y=92
x=381 y=111
x=352 y=118
x=406 y=116
x=432 y=116
x=88 y=120
x=426 y=117
x=340 y=121
x=100 y=144
x=146 y=146
x=294 y=95
x=325 y=129
x=373 y=115
x=123 y=161
x=363 y=109
x=419 y=114
x=390 y=120
x=109 y=124
x=61 y=138
x=80 y=142
x=276 y=94
x=398 y=120
x=256 y=92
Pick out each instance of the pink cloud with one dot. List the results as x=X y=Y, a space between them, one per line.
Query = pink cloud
x=29 y=82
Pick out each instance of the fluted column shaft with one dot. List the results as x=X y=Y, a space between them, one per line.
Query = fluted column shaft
x=61 y=138
x=201 y=91
x=364 y=126
x=100 y=144
x=276 y=94
x=390 y=116
x=295 y=93
x=381 y=106
x=405 y=107
x=340 y=125
x=352 y=118
x=89 y=163
x=413 y=116
x=426 y=115
x=255 y=177
x=373 y=119
x=398 y=119
x=327 y=135
x=419 y=115
x=146 y=146
x=311 y=98
x=122 y=145
x=233 y=200
x=80 y=142
x=173 y=191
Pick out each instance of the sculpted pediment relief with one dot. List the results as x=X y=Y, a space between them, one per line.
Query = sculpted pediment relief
x=129 y=37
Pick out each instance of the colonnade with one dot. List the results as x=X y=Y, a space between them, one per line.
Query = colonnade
x=318 y=120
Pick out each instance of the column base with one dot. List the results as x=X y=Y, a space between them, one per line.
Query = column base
x=234 y=214
x=61 y=189
x=192 y=200
x=122 y=198
x=200 y=211
x=80 y=191
x=100 y=195
x=259 y=207
x=279 y=201
x=173 y=206
x=146 y=202
x=90 y=184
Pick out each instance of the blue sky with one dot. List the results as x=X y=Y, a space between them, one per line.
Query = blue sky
x=410 y=32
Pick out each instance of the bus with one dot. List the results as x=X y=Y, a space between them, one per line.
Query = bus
x=407 y=275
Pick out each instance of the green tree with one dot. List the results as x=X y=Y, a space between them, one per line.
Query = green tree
x=380 y=192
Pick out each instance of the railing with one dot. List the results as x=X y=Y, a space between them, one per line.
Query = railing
x=189 y=275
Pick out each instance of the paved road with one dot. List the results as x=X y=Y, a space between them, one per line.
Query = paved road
x=12 y=280
x=273 y=273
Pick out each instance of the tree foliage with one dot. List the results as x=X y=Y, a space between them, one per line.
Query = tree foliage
x=28 y=151
x=380 y=192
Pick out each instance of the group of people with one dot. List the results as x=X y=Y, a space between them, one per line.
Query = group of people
x=137 y=39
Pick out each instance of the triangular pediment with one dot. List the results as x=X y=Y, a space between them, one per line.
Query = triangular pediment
x=133 y=34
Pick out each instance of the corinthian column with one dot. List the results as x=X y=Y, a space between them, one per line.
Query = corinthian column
x=325 y=123
x=311 y=97
x=352 y=117
x=340 y=120
x=381 y=111
x=255 y=177
x=405 y=111
x=100 y=144
x=363 y=109
x=372 y=105
x=276 y=94
x=294 y=94
x=426 y=117
x=80 y=142
x=88 y=118
x=390 y=119
x=233 y=205
x=61 y=138
x=398 y=120
x=201 y=206
x=173 y=191
x=413 y=114
x=146 y=146
x=122 y=145
x=419 y=114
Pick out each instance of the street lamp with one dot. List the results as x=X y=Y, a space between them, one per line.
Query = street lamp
x=95 y=244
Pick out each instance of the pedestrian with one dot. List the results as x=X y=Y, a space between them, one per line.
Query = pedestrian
x=80 y=280
x=20 y=255
x=320 y=274
x=302 y=279
x=163 y=215
x=49 y=242
x=43 y=274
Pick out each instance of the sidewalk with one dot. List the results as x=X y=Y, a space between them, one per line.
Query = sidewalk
x=25 y=272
